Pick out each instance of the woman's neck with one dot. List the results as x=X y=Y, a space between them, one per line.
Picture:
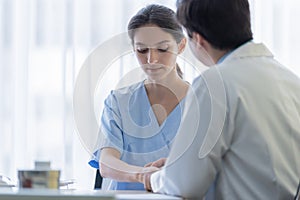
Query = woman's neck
x=165 y=87
x=165 y=96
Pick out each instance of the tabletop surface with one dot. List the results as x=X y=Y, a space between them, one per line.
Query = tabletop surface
x=48 y=194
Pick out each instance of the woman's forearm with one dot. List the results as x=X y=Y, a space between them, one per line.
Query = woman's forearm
x=111 y=167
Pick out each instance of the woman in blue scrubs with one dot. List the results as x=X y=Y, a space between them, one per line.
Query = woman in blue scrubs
x=139 y=122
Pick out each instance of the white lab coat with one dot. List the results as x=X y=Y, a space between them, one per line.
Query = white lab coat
x=240 y=132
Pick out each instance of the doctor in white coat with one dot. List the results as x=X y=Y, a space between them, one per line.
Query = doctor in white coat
x=240 y=134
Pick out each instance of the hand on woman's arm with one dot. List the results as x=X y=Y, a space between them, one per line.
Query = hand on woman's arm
x=158 y=163
x=112 y=167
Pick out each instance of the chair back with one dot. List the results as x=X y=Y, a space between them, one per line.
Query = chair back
x=98 y=180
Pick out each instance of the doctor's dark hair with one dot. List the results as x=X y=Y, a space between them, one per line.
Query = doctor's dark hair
x=161 y=16
x=225 y=24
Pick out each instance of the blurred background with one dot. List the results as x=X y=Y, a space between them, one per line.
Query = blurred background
x=43 y=44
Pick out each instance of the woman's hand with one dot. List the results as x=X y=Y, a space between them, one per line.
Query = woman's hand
x=158 y=163
x=144 y=176
x=150 y=169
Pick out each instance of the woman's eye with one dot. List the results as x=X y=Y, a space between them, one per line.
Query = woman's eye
x=163 y=49
x=143 y=51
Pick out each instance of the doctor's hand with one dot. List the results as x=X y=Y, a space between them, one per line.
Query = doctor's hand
x=158 y=163
x=144 y=176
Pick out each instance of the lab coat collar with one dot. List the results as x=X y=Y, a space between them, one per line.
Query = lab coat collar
x=249 y=49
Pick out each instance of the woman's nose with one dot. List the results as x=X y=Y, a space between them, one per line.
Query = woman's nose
x=152 y=56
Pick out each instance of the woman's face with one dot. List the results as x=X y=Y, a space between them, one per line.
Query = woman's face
x=156 y=51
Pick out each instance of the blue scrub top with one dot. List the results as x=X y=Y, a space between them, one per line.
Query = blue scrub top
x=129 y=125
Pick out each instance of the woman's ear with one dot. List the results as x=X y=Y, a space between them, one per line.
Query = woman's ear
x=181 y=45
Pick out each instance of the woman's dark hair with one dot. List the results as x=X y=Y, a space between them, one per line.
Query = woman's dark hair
x=161 y=16
x=225 y=24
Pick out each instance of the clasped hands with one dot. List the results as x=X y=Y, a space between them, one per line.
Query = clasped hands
x=148 y=170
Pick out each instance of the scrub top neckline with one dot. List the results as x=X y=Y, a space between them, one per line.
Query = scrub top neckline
x=152 y=112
